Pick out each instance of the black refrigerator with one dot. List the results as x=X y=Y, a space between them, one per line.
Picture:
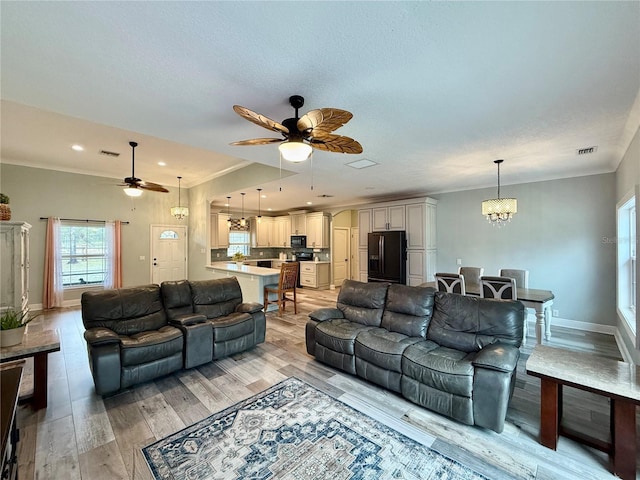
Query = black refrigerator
x=387 y=257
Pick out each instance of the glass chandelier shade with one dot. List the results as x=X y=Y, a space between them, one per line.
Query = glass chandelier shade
x=295 y=151
x=179 y=212
x=499 y=210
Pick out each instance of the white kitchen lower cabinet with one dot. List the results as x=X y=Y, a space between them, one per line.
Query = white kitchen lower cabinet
x=314 y=275
x=415 y=267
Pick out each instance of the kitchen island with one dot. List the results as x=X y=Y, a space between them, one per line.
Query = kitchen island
x=251 y=279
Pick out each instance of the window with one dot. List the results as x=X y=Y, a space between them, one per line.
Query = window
x=83 y=253
x=239 y=241
x=626 y=260
x=170 y=234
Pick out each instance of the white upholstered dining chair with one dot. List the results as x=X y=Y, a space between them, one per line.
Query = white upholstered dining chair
x=471 y=275
x=520 y=276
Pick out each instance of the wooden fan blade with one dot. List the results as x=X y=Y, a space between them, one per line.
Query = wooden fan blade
x=258 y=141
x=260 y=119
x=336 y=143
x=154 y=187
x=323 y=120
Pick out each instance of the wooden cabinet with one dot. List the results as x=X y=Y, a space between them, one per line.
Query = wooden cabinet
x=388 y=218
x=314 y=275
x=219 y=231
x=14 y=262
x=364 y=227
x=317 y=230
x=298 y=224
x=262 y=232
x=282 y=232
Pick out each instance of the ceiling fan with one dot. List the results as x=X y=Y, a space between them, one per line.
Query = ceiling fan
x=301 y=134
x=134 y=186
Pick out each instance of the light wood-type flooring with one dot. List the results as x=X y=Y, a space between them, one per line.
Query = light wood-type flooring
x=81 y=435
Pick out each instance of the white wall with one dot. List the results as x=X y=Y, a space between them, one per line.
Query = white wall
x=557 y=235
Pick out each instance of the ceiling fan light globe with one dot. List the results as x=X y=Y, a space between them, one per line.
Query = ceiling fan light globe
x=295 y=151
x=132 y=191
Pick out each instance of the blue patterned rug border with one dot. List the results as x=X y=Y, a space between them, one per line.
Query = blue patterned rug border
x=259 y=398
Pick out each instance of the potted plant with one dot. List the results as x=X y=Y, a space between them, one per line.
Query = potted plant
x=5 y=211
x=238 y=257
x=12 y=326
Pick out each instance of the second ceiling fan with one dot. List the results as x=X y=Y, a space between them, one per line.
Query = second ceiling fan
x=300 y=134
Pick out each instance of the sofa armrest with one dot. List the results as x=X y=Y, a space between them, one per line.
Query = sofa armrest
x=497 y=356
x=101 y=336
x=249 y=307
x=188 y=319
x=324 y=314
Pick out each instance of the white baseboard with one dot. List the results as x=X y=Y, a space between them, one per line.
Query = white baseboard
x=36 y=307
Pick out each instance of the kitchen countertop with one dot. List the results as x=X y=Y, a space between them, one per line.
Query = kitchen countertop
x=244 y=269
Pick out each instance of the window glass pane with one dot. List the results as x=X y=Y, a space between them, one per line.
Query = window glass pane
x=238 y=242
x=83 y=254
x=169 y=234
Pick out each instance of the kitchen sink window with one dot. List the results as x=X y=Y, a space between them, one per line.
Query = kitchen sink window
x=239 y=239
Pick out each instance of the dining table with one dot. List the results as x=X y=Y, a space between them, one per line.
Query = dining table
x=536 y=299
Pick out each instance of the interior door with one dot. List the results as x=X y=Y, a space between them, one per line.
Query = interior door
x=340 y=255
x=355 y=267
x=168 y=253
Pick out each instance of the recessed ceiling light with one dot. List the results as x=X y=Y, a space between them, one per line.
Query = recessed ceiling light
x=162 y=164
x=226 y=204
x=263 y=196
x=362 y=163
x=309 y=203
x=269 y=209
x=77 y=148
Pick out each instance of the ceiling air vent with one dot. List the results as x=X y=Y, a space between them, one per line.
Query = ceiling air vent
x=586 y=151
x=324 y=195
x=109 y=154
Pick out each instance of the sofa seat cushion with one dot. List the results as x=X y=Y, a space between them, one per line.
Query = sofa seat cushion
x=232 y=326
x=441 y=368
x=339 y=335
x=145 y=347
x=383 y=348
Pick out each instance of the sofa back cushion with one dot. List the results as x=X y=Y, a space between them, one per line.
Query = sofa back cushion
x=470 y=323
x=408 y=310
x=176 y=296
x=126 y=311
x=362 y=302
x=216 y=298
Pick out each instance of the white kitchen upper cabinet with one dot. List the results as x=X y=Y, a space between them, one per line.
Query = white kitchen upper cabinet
x=416 y=227
x=364 y=227
x=262 y=232
x=282 y=232
x=389 y=218
x=219 y=231
x=431 y=226
x=298 y=224
x=317 y=230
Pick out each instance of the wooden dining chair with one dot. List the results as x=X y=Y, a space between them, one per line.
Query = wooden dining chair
x=520 y=276
x=450 y=283
x=286 y=284
x=471 y=275
x=503 y=288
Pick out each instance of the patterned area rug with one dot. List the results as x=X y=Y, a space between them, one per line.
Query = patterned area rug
x=293 y=431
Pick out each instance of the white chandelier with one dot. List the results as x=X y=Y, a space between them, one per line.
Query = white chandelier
x=499 y=210
x=179 y=212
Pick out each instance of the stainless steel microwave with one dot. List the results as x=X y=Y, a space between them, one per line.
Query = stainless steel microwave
x=298 y=241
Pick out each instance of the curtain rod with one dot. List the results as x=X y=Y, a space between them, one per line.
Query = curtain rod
x=78 y=220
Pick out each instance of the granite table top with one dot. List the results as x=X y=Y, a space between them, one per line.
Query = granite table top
x=603 y=375
x=44 y=341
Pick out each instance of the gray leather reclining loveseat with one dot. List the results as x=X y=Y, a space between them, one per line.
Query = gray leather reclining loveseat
x=454 y=354
x=140 y=333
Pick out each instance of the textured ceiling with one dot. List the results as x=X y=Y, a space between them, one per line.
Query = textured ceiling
x=438 y=90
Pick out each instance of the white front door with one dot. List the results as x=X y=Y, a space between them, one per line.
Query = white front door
x=340 y=253
x=168 y=253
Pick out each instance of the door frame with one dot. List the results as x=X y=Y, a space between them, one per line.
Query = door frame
x=186 y=246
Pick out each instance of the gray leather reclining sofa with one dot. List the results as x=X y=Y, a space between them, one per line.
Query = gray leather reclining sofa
x=454 y=354
x=140 y=333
